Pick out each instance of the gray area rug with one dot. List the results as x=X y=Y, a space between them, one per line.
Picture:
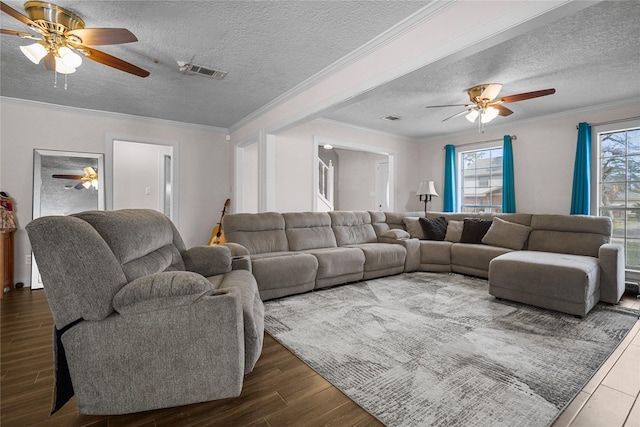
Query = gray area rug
x=433 y=349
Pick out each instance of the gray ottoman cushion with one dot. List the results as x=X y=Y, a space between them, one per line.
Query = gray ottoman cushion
x=567 y=283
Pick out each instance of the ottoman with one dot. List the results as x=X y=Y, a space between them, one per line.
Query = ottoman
x=562 y=282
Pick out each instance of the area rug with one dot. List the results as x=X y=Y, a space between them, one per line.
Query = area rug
x=433 y=349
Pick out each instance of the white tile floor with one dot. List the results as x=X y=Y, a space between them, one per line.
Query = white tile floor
x=611 y=398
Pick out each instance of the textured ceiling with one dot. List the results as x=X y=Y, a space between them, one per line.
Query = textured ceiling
x=266 y=47
x=591 y=57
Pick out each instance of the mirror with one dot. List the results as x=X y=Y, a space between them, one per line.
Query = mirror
x=64 y=183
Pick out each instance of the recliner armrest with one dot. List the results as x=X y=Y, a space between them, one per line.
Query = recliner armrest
x=412 y=245
x=612 y=272
x=208 y=260
x=237 y=249
x=161 y=291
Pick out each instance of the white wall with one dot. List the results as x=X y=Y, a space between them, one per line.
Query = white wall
x=294 y=168
x=544 y=155
x=205 y=181
x=358 y=180
x=137 y=175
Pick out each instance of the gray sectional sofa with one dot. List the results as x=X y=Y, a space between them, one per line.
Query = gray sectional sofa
x=560 y=262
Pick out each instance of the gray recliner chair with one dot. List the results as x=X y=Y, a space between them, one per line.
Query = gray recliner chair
x=142 y=322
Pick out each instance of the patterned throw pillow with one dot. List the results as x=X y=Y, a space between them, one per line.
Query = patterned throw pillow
x=434 y=228
x=474 y=230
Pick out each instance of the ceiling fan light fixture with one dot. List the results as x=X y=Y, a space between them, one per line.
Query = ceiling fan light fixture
x=489 y=114
x=62 y=68
x=34 y=52
x=69 y=58
x=472 y=115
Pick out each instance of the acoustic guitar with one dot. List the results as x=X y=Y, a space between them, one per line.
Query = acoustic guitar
x=217 y=235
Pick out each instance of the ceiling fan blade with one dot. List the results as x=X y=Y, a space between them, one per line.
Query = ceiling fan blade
x=502 y=111
x=491 y=91
x=527 y=95
x=79 y=186
x=458 y=114
x=74 y=177
x=102 y=36
x=50 y=61
x=88 y=171
x=448 y=105
x=111 y=61
x=19 y=34
x=15 y=14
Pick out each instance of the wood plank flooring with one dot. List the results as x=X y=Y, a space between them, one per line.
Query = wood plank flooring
x=281 y=391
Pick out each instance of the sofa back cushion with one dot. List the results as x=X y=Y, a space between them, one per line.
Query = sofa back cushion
x=144 y=241
x=570 y=234
x=309 y=230
x=352 y=227
x=258 y=232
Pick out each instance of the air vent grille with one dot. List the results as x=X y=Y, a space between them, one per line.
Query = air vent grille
x=199 y=70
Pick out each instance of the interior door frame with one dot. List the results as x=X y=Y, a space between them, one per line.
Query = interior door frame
x=321 y=141
x=175 y=169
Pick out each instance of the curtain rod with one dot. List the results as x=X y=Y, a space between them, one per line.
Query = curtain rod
x=613 y=121
x=513 y=138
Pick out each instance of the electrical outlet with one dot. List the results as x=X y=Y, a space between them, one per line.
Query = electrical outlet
x=27 y=259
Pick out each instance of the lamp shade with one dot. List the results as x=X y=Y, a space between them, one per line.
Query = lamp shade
x=489 y=114
x=472 y=115
x=426 y=188
x=69 y=58
x=35 y=52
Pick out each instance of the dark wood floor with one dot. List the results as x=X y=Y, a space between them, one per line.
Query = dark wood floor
x=280 y=391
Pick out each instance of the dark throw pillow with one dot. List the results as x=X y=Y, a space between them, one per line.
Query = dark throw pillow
x=434 y=228
x=474 y=230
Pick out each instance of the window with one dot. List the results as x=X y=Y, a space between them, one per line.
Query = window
x=619 y=189
x=481 y=180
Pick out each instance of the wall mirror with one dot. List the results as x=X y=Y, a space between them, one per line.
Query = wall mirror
x=65 y=182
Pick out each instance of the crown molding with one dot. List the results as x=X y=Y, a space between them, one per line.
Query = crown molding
x=77 y=110
x=433 y=8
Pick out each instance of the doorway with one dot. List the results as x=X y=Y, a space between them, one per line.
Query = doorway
x=144 y=174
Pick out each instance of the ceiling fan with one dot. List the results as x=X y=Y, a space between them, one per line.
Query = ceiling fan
x=90 y=178
x=63 y=40
x=485 y=107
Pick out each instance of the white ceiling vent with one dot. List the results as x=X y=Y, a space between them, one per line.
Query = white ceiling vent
x=199 y=70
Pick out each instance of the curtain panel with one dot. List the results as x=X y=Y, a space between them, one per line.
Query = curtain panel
x=449 y=179
x=508 y=186
x=581 y=194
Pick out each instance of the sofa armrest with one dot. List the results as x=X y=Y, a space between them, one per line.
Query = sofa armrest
x=412 y=262
x=208 y=260
x=612 y=269
x=237 y=249
x=241 y=263
x=161 y=291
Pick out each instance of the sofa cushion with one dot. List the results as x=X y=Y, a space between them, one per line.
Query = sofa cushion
x=571 y=234
x=161 y=291
x=454 y=231
x=352 y=227
x=434 y=228
x=258 y=232
x=474 y=230
x=309 y=230
x=506 y=234
x=413 y=227
x=396 y=233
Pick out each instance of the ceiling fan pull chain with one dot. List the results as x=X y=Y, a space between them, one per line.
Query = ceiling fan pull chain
x=65 y=82
x=55 y=79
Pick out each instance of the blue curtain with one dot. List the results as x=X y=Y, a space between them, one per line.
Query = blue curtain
x=508 y=187
x=581 y=195
x=450 y=179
